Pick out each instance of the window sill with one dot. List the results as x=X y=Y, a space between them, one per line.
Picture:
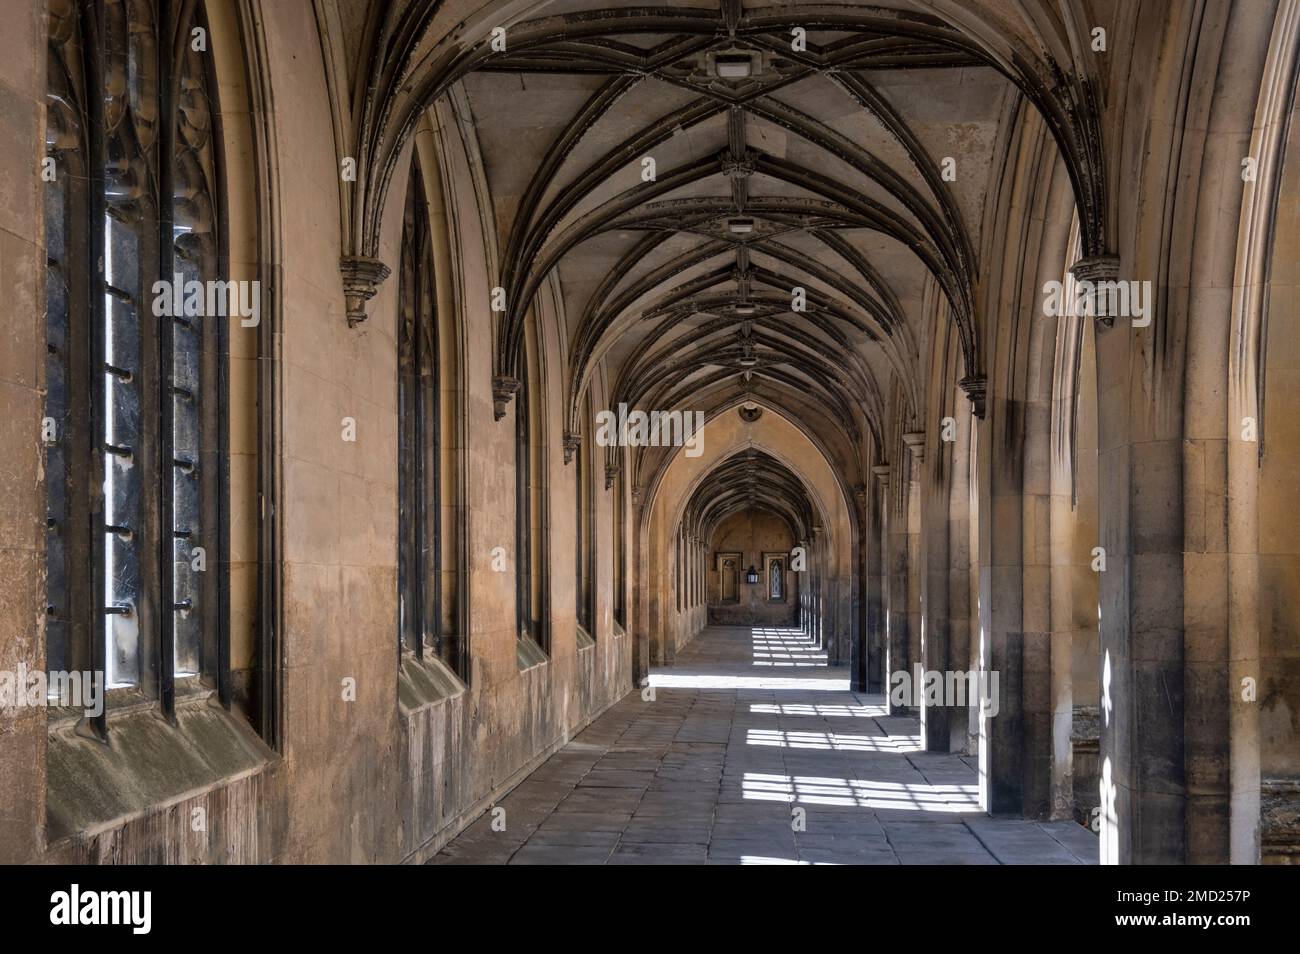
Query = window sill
x=425 y=682
x=528 y=654
x=146 y=765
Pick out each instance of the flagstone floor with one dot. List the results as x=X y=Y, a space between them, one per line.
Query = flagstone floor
x=754 y=751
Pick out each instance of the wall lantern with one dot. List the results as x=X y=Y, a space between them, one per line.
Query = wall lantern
x=751 y=575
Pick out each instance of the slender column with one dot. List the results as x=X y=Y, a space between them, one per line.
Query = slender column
x=896 y=621
x=958 y=566
x=936 y=629
x=1001 y=752
x=858 y=660
x=824 y=609
x=640 y=608
x=915 y=441
x=877 y=500
x=804 y=579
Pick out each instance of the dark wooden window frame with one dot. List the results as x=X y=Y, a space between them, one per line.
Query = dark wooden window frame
x=619 y=554
x=585 y=533
x=146 y=165
x=431 y=614
x=531 y=613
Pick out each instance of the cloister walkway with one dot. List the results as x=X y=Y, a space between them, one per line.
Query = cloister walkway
x=749 y=727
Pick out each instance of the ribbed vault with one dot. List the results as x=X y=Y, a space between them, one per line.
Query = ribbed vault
x=750 y=480
x=735 y=197
x=724 y=208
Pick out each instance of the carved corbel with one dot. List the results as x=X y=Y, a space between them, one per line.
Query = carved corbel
x=976 y=388
x=503 y=389
x=1094 y=269
x=362 y=277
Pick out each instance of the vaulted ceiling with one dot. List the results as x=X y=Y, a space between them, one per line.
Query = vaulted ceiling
x=750 y=480
x=738 y=200
x=733 y=207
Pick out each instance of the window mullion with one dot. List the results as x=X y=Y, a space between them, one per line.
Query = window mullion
x=165 y=545
x=432 y=434
x=93 y=41
x=419 y=514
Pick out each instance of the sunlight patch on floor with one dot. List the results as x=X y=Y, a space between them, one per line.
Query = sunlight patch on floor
x=832 y=741
x=818 y=709
x=860 y=793
x=671 y=680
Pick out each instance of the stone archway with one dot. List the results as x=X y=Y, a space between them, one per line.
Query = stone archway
x=727 y=434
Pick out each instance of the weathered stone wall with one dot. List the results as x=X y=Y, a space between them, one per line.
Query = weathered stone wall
x=1279 y=481
x=1279 y=528
x=22 y=375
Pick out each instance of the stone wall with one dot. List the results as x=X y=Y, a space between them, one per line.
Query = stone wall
x=752 y=535
x=22 y=364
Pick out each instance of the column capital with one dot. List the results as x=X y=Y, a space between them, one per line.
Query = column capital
x=915 y=441
x=882 y=472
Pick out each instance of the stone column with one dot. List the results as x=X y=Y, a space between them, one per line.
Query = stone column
x=1014 y=485
x=1143 y=665
x=819 y=589
x=877 y=500
x=1001 y=731
x=858 y=658
x=897 y=646
x=915 y=442
x=639 y=612
x=934 y=573
x=805 y=582
x=958 y=567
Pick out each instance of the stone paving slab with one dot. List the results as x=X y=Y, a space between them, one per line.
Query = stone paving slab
x=755 y=752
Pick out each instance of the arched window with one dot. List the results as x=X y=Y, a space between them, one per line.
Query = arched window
x=697 y=555
x=585 y=530
x=618 y=553
x=677 y=570
x=137 y=330
x=703 y=574
x=427 y=556
x=530 y=596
